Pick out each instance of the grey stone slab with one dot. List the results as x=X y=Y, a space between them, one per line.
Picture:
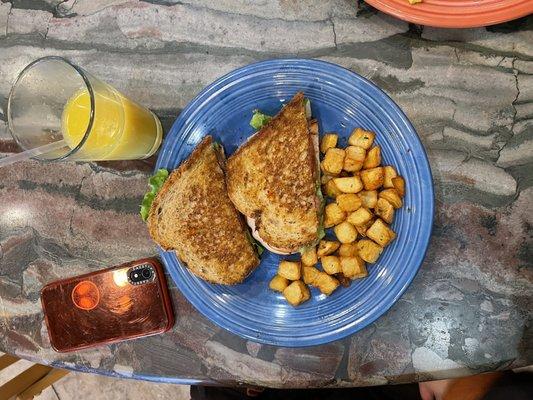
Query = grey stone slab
x=518 y=42
x=307 y=10
x=525 y=85
x=367 y=29
x=4 y=133
x=524 y=66
x=28 y=21
x=73 y=7
x=456 y=168
x=5 y=8
x=518 y=152
x=133 y=25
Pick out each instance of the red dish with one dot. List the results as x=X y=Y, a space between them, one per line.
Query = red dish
x=456 y=13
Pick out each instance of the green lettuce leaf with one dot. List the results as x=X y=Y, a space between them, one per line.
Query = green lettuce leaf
x=259 y=119
x=321 y=231
x=258 y=247
x=155 y=182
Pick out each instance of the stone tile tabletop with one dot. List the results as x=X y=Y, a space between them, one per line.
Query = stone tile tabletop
x=469 y=94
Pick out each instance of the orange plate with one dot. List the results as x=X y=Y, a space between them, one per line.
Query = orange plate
x=456 y=13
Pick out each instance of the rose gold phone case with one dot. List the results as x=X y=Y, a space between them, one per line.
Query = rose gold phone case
x=105 y=307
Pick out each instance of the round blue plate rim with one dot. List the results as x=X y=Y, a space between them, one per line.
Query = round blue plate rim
x=169 y=258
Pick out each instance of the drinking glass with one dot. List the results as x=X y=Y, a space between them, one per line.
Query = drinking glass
x=60 y=106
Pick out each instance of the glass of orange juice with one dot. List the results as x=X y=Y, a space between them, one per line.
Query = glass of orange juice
x=55 y=101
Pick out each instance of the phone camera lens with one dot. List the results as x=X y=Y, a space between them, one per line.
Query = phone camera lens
x=134 y=275
x=147 y=273
x=141 y=274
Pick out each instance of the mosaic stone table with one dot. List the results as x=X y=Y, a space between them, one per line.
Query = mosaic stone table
x=469 y=93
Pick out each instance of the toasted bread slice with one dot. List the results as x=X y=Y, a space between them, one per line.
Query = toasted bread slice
x=193 y=215
x=272 y=180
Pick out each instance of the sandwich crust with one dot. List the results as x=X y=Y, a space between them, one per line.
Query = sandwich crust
x=272 y=179
x=193 y=215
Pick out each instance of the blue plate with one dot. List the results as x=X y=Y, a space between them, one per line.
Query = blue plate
x=341 y=100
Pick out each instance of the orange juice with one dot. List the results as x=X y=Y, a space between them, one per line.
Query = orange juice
x=121 y=129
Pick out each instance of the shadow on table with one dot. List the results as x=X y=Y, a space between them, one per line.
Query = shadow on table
x=492 y=386
x=396 y=392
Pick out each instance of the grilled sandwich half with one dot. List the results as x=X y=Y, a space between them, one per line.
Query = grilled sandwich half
x=273 y=179
x=193 y=215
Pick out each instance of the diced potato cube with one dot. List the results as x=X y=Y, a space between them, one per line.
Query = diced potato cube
x=392 y=196
x=327 y=247
x=380 y=233
x=399 y=184
x=355 y=157
x=373 y=158
x=329 y=141
x=279 y=283
x=333 y=161
x=352 y=165
x=372 y=178
x=368 y=197
x=361 y=138
x=368 y=250
x=345 y=232
x=330 y=189
x=349 y=184
x=296 y=293
x=326 y=283
x=331 y=264
x=310 y=274
x=313 y=127
x=290 y=270
x=356 y=153
x=361 y=229
x=385 y=210
x=348 y=249
x=360 y=217
x=349 y=201
x=353 y=267
x=412 y=2
x=309 y=256
x=333 y=215
x=389 y=172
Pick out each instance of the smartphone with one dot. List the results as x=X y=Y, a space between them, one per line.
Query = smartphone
x=119 y=303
